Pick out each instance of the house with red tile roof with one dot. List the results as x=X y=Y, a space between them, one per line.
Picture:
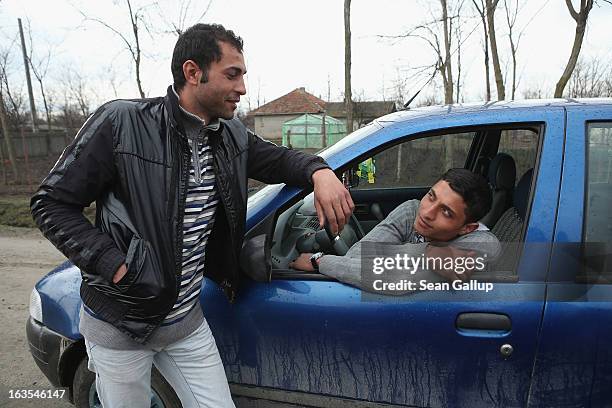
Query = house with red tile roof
x=269 y=118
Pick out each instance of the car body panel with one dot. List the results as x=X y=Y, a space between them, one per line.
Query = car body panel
x=59 y=292
x=574 y=360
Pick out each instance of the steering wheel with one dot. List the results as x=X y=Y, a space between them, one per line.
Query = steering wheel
x=338 y=243
x=340 y=247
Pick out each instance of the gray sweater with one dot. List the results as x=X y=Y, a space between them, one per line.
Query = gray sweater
x=397 y=230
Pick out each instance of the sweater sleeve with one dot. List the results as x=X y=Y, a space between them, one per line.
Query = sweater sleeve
x=393 y=232
x=81 y=175
x=273 y=164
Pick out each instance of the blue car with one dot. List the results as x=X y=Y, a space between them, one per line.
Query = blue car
x=539 y=338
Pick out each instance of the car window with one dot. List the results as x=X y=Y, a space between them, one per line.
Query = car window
x=415 y=163
x=521 y=144
x=597 y=232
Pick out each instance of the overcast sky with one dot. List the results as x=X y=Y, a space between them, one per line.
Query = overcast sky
x=290 y=44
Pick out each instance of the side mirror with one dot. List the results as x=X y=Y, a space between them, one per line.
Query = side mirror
x=255 y=259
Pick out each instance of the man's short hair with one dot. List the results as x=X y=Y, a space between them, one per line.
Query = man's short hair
x=474 y=190
x=200 y=43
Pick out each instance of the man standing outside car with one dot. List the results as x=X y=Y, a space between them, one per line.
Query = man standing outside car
x=169 y=178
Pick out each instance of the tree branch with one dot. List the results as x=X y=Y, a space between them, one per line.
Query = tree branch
x=571 y=9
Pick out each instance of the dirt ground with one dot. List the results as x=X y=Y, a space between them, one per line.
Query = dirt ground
x=25 y=256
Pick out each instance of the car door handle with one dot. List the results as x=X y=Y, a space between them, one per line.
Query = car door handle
x=484 y=321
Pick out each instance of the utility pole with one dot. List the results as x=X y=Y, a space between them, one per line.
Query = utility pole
x=28 y=79
x=348 y=98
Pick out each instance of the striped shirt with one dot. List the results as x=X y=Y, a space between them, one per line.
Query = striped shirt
x=200 y=206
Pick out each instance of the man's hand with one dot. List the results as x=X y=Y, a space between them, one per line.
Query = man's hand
x=332 y=200
x=120 y=273
x=443 y=252
x=302 y=263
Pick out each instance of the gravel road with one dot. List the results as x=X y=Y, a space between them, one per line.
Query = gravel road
x=25 y=256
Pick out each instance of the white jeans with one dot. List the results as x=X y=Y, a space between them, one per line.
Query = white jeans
x=192 y=366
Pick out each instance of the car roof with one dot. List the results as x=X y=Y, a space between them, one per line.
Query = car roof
x=424 y=111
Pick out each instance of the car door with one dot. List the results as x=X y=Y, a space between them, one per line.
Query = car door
x=574 y=361
x=317 y=342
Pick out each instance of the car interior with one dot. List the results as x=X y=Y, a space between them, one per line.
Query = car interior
x=505 y=156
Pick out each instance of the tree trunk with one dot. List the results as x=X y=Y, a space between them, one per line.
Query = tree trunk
x=458 y=67
x=48 y=115
x=511 y=20
x=348 y=97
x=483 y=17
x=7 y=138
x=136 y=53
x=581 y=22
x=447 y=66
x=499 y=80
x=486 y=60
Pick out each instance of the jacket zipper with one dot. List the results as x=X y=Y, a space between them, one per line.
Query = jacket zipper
x=226 y=284
x=197 y=175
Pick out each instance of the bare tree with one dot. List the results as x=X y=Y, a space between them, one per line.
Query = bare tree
x=511 y=14
x=13 y=99
x=533 y=93
x=4 y=57
x=482 y=12
x=438 y=34
x=458 y=33
x=39 y=69
x=447 y=69
x=132 y=40
x=581 y=17
x=590 y=79
x=348 y=100
x=179 y=15
x=399 y=88
x=491 y=5
x=113 y=78
x=512 y=10
x=76 y=90
x=7 y=136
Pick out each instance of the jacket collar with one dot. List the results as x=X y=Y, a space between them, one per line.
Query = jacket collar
x=174 y=109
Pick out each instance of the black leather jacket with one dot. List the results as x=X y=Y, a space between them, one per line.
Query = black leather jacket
x=132 y=158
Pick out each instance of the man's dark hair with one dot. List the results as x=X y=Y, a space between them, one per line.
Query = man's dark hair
x=474 y=190
x=200 y=43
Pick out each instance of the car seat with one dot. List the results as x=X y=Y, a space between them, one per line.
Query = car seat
x=509 y=226
x=501 y=175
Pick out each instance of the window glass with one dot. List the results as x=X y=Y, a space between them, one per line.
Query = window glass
x=598 y=217
x=415 y=163
x=521 y=144
x=598 y=223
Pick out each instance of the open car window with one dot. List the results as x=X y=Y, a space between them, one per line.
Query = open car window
x=405 y=171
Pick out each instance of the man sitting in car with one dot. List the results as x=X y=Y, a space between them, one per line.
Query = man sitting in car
x=444 y=224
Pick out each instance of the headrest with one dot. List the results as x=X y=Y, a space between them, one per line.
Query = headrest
x=502 y=172
x=521 y=194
